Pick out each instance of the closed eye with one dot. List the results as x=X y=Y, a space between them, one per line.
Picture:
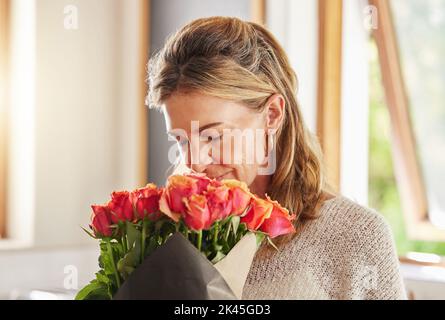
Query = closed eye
x=213 y=139
x=179 y=139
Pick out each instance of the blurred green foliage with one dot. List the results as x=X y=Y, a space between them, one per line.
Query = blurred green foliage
x=383 y=193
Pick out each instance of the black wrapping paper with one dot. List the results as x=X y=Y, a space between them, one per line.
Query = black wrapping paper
x=175 y=271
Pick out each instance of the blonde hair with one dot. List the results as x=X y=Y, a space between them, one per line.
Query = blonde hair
x=241 y=61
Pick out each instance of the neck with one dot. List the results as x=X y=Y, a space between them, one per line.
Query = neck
x=259 y=185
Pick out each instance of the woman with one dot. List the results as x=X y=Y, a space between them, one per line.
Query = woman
x=221 y=75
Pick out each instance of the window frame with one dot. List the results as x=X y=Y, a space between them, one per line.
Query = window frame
x=144 y=43
x=330 y=20
x=4 y=74
x=258 y=11
x=410 y=182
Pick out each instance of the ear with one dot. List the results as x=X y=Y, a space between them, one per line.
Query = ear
x=274 y=110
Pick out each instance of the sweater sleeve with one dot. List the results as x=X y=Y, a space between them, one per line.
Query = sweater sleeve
x=378 y=275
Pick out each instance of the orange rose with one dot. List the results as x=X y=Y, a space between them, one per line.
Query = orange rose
x=279 y=222
x=259 y=211
x=239 y=195
x=202 y=181
x=197 y=216
x=179 y=188
x=219 y=202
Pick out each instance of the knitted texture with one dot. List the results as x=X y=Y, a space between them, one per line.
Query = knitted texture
x=347 y=253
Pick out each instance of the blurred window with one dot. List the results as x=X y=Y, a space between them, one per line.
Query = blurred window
x=420 y=31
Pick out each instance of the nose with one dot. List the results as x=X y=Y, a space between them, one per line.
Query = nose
x=195 y=159
x=198 y=168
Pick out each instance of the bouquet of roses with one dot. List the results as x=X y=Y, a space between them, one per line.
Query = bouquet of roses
x=195 y=238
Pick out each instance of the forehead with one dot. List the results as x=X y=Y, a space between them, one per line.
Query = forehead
x=180 y=109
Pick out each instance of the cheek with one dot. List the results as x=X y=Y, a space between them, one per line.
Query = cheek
x=249 y=150
x=245 y=173
x=260 y=148
x=243 y=158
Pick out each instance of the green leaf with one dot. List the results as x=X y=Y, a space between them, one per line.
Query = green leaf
x=242 y=230
x=133 y=234
x=134 y=240
x=128 y=263
x=102 y=277
x=235 y=221
x=89 y=233
x=95 y=290
x=259 y=238
x=105 y=261
x=118 y=249
x=218 y=257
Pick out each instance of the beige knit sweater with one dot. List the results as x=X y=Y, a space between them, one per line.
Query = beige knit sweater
x=347 y=253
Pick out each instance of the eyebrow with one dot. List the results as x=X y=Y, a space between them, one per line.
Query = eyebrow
x=209 y=125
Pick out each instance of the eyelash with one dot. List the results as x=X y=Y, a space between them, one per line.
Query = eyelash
x=209 y=139
x=214 y=138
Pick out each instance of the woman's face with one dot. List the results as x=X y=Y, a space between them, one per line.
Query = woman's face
x=221 y=138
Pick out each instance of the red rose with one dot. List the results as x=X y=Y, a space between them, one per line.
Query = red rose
x=259 y=211
x=121 y=207
x=279 y=222
x=101 y=221
x=146 y=202
x=197 y=216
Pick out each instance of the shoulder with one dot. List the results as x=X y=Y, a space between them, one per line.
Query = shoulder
x=354 y=220
x=346 y=230
x=355 y=230
x=360 y=239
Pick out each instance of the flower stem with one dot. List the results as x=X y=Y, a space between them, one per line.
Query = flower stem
x=124 y=241
x=215 y=235
x=228 y=226
x=185 y=231
x=199 y=239
x=110 y=252
x=144 y=231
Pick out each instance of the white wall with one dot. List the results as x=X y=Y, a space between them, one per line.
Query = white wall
x=73 y=139
x=83 y=120
x=295 y=25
